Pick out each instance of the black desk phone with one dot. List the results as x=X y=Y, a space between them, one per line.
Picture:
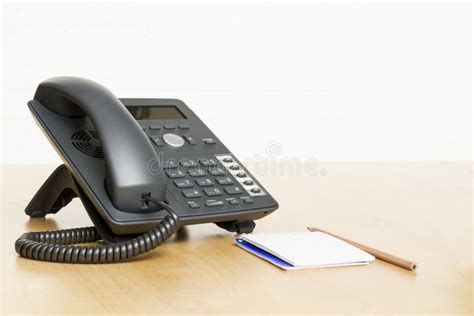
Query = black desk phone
x=141 y=167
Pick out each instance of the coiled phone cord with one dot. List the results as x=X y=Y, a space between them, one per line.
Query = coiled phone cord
x=59 y=245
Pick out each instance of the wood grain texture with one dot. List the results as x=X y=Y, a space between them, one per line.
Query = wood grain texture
x=420 y=211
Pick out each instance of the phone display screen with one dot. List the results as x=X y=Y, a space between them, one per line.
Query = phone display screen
x=155 y=112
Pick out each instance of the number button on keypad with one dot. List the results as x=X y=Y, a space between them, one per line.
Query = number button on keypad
x=233 y=190
x=224 y=180
x=171 y=164
x=191 y=193
x=175 y=173
x=211 y=162
x=196 y=172
x=217 y=171
x=213 y=191
x=188 y=163
x=183 y=183
x=204 y=182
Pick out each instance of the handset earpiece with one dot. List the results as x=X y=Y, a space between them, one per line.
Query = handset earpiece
x=128 y=154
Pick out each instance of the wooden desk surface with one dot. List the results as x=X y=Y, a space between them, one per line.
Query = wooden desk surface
x=421 y=211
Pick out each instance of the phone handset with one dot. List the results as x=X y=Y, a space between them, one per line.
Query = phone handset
x=128 y=154
x=129 y=180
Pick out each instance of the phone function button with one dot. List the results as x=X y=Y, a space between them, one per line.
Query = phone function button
x=156 y=140
x=194 y=204
x=248 y=182
x=232 y=190
x=175 y=173
x=214 y=203
x=188 y=163
x=170 y=126
x=204 y=182
x=196 y=172
x=209 y=141
x=183 y=126
x=191 y=193
x=239 y=175
x=173 y=140
x=255 y=190
x=225 y=180
x=234 y=202
x=183 y=183
x=190 y=139
x=248 y=200
x=155 y=126
x=213 y=192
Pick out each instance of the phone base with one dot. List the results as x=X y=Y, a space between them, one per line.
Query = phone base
x=239 y=227
x=57 y=191
x=61 y=187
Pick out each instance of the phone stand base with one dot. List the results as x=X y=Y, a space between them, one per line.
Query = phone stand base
x=57 y=191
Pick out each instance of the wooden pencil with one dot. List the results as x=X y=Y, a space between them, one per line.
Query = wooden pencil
x=402 y=263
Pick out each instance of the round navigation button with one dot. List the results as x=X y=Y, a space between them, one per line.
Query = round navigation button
x=248 y=182
x=173 y=140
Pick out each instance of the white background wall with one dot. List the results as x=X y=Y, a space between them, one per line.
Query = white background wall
x=340 y=82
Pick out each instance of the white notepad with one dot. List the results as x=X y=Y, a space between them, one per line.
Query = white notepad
x=305 y=250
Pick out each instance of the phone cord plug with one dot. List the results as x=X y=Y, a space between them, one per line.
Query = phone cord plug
x=59 y=245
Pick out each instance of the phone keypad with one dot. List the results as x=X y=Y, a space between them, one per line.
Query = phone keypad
x=213 y=182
